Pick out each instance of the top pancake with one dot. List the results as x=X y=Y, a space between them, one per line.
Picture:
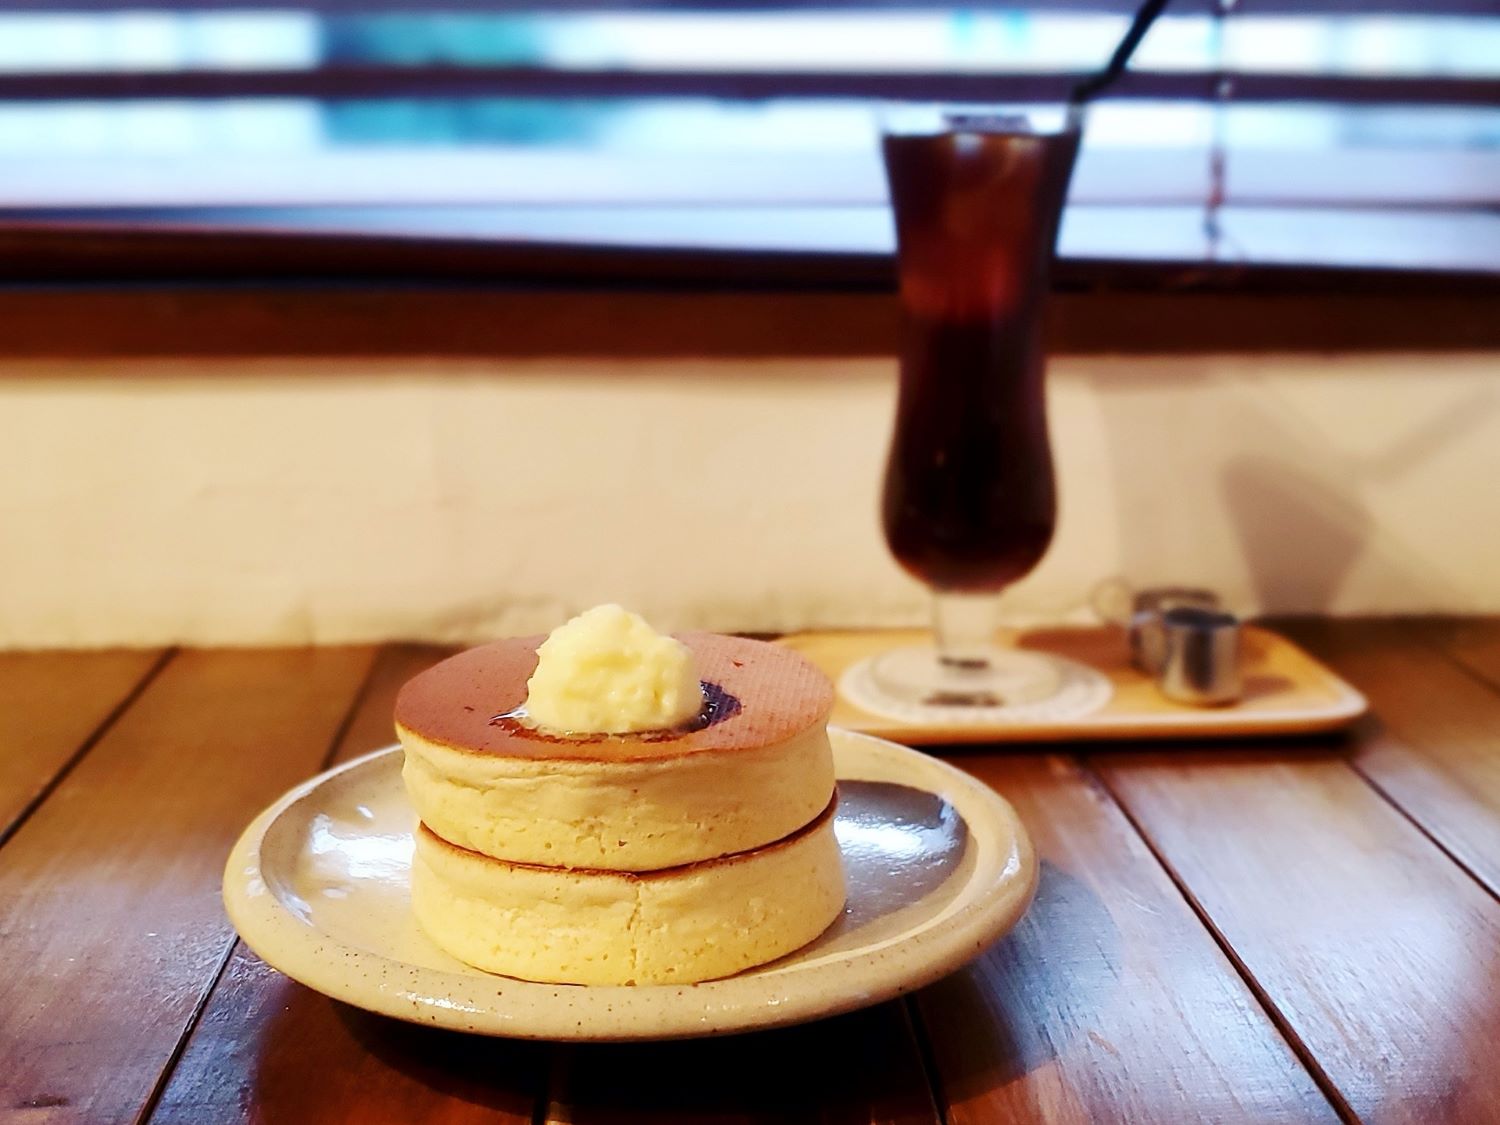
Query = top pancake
x=452 y=703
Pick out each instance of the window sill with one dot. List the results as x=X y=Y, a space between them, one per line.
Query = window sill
x=608 y=282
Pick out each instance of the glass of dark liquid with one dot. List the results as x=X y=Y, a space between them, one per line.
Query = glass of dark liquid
x=969 y=502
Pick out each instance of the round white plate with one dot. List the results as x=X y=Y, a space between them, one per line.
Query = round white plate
x=938 y=868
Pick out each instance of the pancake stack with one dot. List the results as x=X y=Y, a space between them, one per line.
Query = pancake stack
x=660 y=857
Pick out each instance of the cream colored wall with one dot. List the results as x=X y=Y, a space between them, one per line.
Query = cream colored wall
x=311 y=500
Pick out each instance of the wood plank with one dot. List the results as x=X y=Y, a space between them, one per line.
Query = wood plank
x=1110 y=1001
x=1473 y=641
x=268 y=1049
x=1380 y=954
x=111 y=928
x=51 y=705
x=372 y=725
x=1434 y=746
x=860 y=1068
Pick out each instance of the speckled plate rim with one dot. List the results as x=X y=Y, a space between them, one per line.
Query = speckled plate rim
x=997 y=890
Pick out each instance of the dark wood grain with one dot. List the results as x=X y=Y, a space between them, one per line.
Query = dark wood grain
x=111 y=928
x=269 y=1050
x=1379 y=953
x=371 y=726
x=1433 y=744
x=1110 y=1002
x=859 y=1069
x=1333 y=913
x=1473 y=642
x=51 y=705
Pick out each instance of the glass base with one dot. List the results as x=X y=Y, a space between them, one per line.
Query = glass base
x=987 y=677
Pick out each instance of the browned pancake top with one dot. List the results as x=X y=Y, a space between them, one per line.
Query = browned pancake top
x=454 y=703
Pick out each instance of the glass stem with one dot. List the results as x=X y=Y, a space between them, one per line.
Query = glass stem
x=965 y=628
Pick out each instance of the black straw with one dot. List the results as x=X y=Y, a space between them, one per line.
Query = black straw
x=1090 y=87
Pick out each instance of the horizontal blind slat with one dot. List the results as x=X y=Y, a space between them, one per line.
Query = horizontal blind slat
x=479 y=81
x=1123 y=7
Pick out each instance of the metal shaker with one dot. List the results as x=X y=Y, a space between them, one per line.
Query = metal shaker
x=1148 y=642
x=1200 y=656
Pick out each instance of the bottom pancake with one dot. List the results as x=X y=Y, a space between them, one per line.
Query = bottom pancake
x=693 y=923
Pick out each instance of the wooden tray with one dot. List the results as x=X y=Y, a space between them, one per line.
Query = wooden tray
x=1286 y=691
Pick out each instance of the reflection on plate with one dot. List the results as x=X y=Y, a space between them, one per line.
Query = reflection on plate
x=937 y=864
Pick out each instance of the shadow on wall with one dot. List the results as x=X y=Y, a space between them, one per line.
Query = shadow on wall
x=1294 y=504
x=1300 y=534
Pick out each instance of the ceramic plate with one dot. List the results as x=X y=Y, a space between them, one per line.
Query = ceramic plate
x=938 y=867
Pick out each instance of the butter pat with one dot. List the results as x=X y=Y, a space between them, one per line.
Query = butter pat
x=608 y=672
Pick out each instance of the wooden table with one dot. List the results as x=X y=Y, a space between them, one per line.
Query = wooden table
x=1274 y=932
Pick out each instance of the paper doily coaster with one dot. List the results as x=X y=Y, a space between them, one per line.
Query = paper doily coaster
x=1081 y=691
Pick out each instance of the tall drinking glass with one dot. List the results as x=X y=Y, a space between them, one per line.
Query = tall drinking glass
x=969 y=503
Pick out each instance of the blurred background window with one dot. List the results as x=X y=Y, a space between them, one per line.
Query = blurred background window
x=1328 y=131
